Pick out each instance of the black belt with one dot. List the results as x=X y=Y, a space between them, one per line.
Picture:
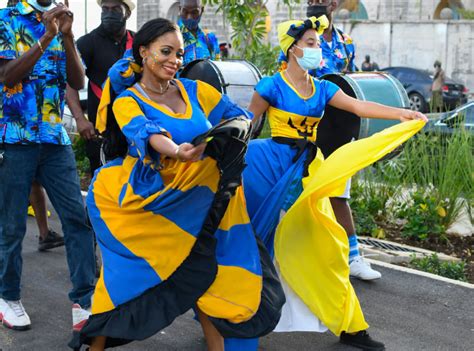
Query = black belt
x=300 y=145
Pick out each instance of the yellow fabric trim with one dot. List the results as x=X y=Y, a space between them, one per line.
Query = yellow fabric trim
x=208 y=97
x=144 y=241
x=182 y=175
x=238 y=209
x=283 y=76
x=126 y=109
x=101 y=300
x=105 y=100
x=311 y=248
x=303 y=126
x=189 y=109
x=239 y=304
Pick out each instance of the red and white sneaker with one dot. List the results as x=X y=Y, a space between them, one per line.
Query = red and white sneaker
x=13 y=315
x=79 y=317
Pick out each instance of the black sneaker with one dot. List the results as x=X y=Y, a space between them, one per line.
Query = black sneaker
x=361 y=340
x=51 y=241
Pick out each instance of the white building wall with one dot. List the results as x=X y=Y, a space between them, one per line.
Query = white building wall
x=416 y=41
x=418 y=45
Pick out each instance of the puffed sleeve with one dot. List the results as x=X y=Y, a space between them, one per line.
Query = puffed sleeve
x=217 y=106
x=266 y=89
x=8 y=41
x=135 y=126
x=329 y=88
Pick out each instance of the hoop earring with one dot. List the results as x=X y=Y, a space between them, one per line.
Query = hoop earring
x=143 y=60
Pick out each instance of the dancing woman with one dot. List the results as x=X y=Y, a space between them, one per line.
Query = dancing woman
x=287 y=185
x=171 y=223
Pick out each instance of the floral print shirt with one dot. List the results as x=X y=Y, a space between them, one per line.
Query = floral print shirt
x=31 y=111
x=205 y=45
x=337 y=56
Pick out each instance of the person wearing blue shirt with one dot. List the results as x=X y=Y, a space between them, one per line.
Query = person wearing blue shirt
x=338 y=47
x=37 y=58
x=198 y=44
x=338 y=57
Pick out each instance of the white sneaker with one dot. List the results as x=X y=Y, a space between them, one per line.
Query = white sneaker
x=79 y=317
x=13 y=315
x=361 y=269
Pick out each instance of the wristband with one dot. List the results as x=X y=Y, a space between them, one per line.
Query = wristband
x=40 y=46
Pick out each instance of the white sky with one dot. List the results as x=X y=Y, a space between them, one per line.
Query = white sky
x=92 y=20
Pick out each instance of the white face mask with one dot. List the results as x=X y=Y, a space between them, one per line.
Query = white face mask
x=34 y=3
x=311 y=59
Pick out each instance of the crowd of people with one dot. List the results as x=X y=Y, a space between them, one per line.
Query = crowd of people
x=177 y=215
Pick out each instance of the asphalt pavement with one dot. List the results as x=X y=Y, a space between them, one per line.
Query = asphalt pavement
x=405 y=311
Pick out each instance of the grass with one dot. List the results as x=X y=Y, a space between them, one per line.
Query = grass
x=432 y=264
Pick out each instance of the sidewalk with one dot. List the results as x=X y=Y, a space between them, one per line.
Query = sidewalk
x=406 y=311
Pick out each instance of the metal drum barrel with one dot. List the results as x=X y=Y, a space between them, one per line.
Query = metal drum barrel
x=339 y=127
x=236 y=78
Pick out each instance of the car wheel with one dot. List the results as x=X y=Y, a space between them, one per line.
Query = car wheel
x=417 y=102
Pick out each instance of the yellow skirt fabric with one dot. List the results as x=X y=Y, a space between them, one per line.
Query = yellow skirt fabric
x=312 y=249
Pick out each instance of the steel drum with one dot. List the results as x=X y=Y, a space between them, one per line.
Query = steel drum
x=236 y=78
x=339 y=127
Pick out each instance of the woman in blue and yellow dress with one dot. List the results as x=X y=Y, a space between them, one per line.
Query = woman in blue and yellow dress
x=287 y=186
x=167 y=245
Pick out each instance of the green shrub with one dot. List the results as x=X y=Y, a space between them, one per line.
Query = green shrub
x=432 y=264
x=444 y=164
x=424 y=214
x=372 y=191
x=79 y=148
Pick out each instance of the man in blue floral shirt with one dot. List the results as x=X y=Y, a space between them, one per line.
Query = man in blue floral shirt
x=198 y=44
x=337 y=46
x=37 y=58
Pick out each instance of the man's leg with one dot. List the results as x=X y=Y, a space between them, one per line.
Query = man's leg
x=358 y=266
x=16 y=174
x=48 y=239
x=58 y=174
x=38 y=202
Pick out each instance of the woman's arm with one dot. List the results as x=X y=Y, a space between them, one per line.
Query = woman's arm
x=369 y=109
x=183 y=152
x=258 y=106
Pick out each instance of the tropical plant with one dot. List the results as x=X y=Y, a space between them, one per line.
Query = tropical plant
x=444 y=164
x=52 y=108
x=425 y=215
x=24 y=39
x=248 y=20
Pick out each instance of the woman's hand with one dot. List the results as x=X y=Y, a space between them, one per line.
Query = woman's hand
x=409 y=115
x=189 y=152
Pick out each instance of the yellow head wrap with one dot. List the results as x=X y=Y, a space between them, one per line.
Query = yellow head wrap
x=289 y=31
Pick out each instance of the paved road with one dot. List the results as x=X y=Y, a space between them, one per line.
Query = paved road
x=407 y=312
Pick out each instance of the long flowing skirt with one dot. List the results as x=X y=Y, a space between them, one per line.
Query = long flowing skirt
x=159 y=257
x=310 y=247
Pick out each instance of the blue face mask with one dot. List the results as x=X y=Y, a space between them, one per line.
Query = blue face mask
x=311 y=59
x=38 y=7
x=191 y=23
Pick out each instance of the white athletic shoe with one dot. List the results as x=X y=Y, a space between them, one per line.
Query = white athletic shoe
x=79 y=317
x=13 y=315
x=361 y=269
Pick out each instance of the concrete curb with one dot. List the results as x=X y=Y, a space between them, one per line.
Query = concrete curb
x=396 y=256
x=420 y=273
